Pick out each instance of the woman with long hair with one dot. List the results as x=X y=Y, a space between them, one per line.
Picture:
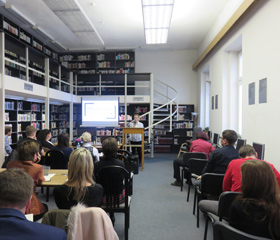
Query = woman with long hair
x=44 y=136
x=257 y=211
x=80 y=187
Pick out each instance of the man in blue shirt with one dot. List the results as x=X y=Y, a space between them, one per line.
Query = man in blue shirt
x=16 y=188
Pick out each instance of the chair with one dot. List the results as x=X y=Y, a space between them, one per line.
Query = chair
x=186 y=157
x=56 y=218
x=196 y=167
x=225 y=201
x=90 y=223
x=211 y=188
x=183 y=149
x=111 y=178
x=223 y=231
x=129 y=168
x=56 y=159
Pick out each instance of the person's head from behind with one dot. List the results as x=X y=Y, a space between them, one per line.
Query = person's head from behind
x=202 y=135
x=229 y=137
x=63 y=140
x=8 y=130
x=30 y=132
x=247 y=151
x=86 y=137
x=80 y=171
x=44 y=135
x=16 y=188
x=258 y=181
x=110 y=148
x=28 y=151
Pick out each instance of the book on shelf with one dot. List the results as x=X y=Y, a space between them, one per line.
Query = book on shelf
x=189 y=133
x=7 y=116
x=9 y=105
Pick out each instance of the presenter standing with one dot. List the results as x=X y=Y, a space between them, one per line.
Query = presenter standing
x=136 y=139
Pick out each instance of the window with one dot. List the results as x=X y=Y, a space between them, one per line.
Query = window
x=240 y=74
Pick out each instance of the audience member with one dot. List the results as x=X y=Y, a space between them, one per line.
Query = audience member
x=44 y=137
x=232 y=179
x=257 y=211
x=8 y=133
x=63 y=145
x=87 y=144
x=16 y=188
x=221 y=157
x=80 y=187
x=136 y=139
x=110 y=149
x=30 y=132
x=199 y=145
x=28 y=153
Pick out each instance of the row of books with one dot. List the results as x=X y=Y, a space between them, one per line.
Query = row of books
x=183 y=125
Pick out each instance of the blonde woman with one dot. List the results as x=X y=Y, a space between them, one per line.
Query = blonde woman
x=80 y=187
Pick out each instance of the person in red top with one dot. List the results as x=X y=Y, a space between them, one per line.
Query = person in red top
x=199 y=145
x=232 y=179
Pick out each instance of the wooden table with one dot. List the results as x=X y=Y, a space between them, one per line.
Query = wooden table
x=58 y=179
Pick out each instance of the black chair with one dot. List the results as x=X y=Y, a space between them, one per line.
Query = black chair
x=185 y=169
x=211 y=188
x=113 y=179
x=223 y=231
x=225 y=201
x=196 y=167
x=56 y=159
x=128 y=167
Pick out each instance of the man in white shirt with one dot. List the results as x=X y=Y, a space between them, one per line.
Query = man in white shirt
x=136 y=139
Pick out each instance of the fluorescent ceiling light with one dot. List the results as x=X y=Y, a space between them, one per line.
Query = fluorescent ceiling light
x=73 y=16
x=19 y=15
x=157 y=18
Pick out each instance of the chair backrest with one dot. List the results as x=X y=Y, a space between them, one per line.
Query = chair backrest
x=225 y=201
x=212 y=185
x=56 y=159
x=188 y=155
x=223 y=231
x=56 y=218
x=196 y=165
x=113 y=180
x=124 y=152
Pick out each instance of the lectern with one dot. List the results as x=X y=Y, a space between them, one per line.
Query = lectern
x=129 y=130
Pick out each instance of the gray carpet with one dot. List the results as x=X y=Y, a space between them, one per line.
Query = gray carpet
x=158 y=210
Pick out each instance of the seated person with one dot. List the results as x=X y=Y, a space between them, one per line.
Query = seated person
x=199 y=145
x=257 y=211
x=232 y=179
x=28 y=153
x=63 y=145
x=87 y=144
x=110 y=149
x=30 y=132
x=44 y=136
x=16 y=189
x=8 y=133
x=80 y=187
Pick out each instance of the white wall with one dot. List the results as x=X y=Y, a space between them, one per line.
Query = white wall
x=173 y=68
x=260 y=48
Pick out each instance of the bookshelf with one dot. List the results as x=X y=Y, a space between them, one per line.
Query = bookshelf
x=19 y=114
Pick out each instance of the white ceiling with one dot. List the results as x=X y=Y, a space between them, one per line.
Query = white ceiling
x=120 y=23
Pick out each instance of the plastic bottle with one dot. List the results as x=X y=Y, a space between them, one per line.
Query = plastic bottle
x=78 y=145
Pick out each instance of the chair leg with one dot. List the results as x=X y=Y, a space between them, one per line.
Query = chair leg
x=197 y=213
x=189 y=189
x=182 y=179
x=206 y=227
x=194 y=201
x=126 y=224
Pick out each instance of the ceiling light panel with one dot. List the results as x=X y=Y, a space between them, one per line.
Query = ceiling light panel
x=157 y=18
x=70 y=12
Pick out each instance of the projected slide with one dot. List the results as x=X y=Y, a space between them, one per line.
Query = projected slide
x=101 y=111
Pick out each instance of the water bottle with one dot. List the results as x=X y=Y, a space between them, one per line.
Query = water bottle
x=78 y=145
